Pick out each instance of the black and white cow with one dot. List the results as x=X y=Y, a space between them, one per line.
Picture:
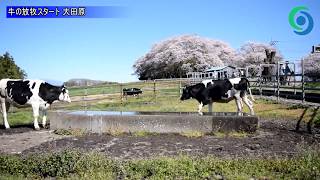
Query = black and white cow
x=36 y=93
x=131 y=91
x=210 y=91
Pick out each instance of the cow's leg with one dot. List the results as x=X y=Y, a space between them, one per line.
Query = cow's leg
x=239 y=108
x=200 y=108
x=250 y=102
x=35 y=108
x=210 y=107
x=241 y=103
x=238 y=102
x=44 y=117
x=5 y=109
x=250 y=106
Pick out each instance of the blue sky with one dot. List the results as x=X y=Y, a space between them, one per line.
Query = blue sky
x=106 y=49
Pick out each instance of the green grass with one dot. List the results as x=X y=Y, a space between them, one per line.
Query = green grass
x=313 y=84
x=143 y=133
x=171 y=86
x=77 y=165
x=108 y=89
x=70 y=132
x=263 y=108
x=19 y=117
x=192 y=134
x=166 y=100
x=231 y=134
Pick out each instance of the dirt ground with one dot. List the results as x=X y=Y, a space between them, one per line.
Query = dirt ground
x=275 y=138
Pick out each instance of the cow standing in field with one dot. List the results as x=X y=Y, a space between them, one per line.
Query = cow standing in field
x=131 y=91
x=210 y=91
x=35 y=93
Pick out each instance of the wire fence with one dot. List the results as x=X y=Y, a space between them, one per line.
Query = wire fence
x=151 y=92
x=296 y=86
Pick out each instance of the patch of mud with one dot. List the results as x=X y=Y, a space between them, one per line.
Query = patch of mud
x=273 y=139
x=20 y=138
x=16 y=129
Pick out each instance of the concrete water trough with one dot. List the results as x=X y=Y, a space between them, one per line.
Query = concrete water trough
x=159 y=122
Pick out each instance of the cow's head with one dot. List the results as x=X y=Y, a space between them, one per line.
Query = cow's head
x=185 y=94
x=64 y=95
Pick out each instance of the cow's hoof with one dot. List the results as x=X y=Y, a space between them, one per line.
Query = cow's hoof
x=200 y=113
x=37 y=128
x=7 y=127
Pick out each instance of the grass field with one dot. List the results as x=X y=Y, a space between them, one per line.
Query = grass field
x=164 y=99
x=75 y=165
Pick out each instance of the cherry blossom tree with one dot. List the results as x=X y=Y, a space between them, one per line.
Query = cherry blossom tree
x=312 y=66
x=254 y=53
x=176 y=56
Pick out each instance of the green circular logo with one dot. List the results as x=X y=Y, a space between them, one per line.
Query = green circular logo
x=300 y=20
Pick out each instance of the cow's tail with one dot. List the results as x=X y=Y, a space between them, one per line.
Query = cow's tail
x=249 y=89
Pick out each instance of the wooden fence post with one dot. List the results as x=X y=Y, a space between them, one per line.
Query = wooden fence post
x=121 y=94
x=294 y=78
x=274 y=83
x=278 y=81
x=302 y=80
x=260 y=87
x=85 y=97
x=180 y=84
x=154 y=91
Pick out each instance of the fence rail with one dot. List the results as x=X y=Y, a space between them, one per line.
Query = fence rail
x=295 y=86
x=171 y=88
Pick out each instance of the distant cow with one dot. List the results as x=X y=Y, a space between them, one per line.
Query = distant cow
x=36 y=93
x=131 y=91
x=210 y=91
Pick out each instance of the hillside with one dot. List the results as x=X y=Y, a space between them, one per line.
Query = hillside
x=85 y=82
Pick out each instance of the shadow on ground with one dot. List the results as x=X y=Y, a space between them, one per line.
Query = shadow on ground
x=14 y=129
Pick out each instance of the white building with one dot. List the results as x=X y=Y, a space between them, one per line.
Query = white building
x=219 y=72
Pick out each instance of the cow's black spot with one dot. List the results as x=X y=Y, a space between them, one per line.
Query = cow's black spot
x=49 y=93
x=19 y=91
x=33 y=85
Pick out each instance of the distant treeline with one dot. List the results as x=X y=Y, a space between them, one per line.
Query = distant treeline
x=85 y=82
